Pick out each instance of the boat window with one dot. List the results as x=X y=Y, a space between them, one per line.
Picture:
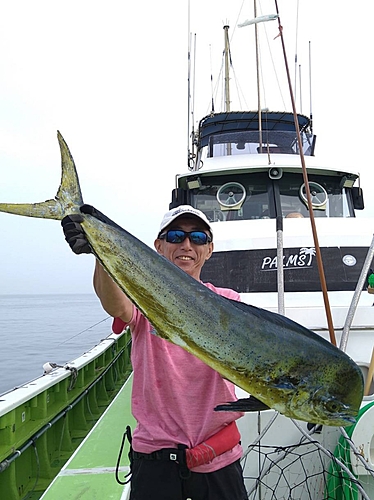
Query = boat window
x=335 y=204
x=250 y=142
x=251 y=196
x=211 y=198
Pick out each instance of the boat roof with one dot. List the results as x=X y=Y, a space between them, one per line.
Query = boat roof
x=232 y=121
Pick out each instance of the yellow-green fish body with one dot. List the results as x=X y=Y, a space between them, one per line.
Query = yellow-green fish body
x=283 y=364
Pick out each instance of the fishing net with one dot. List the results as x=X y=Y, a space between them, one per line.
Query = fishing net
x=320 y=464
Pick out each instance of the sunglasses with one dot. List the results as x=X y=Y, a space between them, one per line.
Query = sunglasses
x=177 y=236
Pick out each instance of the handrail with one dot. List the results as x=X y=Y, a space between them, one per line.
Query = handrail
x=31 y=441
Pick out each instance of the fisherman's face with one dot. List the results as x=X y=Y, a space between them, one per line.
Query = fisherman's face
x=186 y=255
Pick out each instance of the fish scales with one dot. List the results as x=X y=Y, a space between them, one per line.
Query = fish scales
x=283 y=364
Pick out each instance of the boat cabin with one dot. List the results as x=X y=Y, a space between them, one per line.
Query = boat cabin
x=242 y=171
x=243 y=177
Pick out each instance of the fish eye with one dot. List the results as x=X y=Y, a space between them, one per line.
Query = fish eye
x=332 y=406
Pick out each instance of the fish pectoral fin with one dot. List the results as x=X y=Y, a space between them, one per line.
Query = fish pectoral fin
x=245 y=404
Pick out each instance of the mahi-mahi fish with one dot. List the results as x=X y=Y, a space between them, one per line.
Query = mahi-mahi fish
x=281 y=364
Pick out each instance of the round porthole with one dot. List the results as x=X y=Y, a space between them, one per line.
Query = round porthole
x=317 y=193
x=231 y=195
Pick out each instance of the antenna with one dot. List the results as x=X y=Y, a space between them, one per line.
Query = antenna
x=188 y=99
x=296 y=40
x=211 y=78
x=191 y=108
x=310 y=86
x=193 y=83
x=301 y=97
x=188 y=85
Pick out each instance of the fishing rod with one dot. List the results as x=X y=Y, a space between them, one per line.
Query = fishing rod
x=307 y=189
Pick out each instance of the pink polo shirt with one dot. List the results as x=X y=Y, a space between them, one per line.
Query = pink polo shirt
x=174 y=393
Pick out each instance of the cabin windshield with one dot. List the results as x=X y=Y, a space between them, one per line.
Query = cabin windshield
x=257 y=196
x=249 y=142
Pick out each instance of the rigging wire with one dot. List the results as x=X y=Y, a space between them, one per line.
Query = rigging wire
x=217 y=85
x=241 y=95
x=265 y=28
x=237 y=20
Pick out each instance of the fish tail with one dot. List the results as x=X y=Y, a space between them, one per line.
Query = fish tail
x=68 y=198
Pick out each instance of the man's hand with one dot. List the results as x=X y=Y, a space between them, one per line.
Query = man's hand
x=74 y=234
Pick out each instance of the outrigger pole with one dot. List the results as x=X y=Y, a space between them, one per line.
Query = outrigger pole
x=309 y=199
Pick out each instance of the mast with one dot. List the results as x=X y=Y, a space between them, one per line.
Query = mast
x=258 y=80
x=227 y=67
x=227 y=76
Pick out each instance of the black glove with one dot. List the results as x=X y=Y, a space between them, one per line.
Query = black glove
x=74 y=234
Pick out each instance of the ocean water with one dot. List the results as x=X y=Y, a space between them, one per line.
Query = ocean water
x=35 y=329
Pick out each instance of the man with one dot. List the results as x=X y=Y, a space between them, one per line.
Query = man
x=174 y=393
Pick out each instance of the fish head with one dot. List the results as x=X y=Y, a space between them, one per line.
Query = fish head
x=334 y=404
x=325 y=409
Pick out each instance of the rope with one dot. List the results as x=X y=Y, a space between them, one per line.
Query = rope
x=127 y=434
x=85 y=330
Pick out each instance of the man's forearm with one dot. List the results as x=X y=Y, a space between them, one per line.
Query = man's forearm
x=112 y=298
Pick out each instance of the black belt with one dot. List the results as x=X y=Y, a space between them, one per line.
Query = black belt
x=177 y=455
x=163 y=454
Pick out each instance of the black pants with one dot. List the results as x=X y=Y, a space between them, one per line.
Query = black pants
x=160 y=480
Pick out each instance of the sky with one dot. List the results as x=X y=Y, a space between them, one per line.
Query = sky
x=112 y=77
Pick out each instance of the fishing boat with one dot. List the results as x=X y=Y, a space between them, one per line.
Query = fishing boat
x=288 y=240
x=254 y=193
x=270 y=201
